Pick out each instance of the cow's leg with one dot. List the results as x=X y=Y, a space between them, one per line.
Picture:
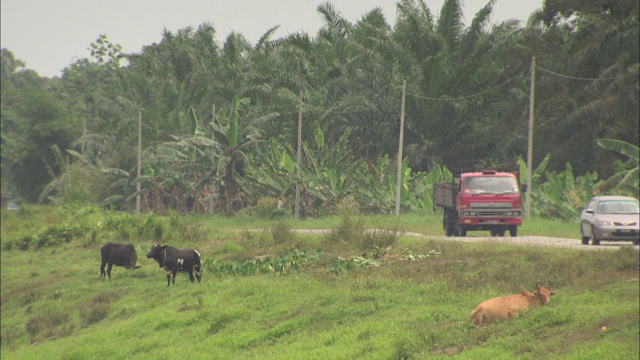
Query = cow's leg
x=168 y=277
x=191 y=275
x=173 y=276
x=109 y=270
x=198 y=273
x=102 y=273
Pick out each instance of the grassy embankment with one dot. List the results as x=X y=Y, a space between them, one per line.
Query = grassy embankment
x=391 y=303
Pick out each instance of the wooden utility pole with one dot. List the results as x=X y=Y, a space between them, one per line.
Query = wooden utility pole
x=298 y=158
x=399 y=176
x=139 y=165
x=530 y=137
x=213 y=156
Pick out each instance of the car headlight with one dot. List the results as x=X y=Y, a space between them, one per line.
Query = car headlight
x=603 y=223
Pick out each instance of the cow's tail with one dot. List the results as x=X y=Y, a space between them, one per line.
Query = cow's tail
x=477 y=316
x=197 y=266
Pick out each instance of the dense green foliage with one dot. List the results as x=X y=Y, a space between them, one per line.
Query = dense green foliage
x=264 y=294
x=219 y=121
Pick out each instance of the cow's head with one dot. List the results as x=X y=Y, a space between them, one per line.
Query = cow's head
x=542 y=294
x=156 y=253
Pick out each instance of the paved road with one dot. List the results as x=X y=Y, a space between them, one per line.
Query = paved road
x=519 y=240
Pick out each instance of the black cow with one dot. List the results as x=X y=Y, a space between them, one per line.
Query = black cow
x=174 y=260
x=119 y=255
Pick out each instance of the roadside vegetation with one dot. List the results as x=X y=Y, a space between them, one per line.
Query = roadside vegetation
x=268 y=292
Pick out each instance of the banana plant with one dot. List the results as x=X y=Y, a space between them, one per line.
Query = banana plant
x=561 y=194
x=237 y=135
x=326 y=171
x=375 y=189
x=272 y=171
x=625 y=180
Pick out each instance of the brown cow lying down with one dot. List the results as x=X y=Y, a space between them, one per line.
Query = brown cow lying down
x=509 y=307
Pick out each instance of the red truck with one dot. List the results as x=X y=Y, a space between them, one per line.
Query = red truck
x=486 y=200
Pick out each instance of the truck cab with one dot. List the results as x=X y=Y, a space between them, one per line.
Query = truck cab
x=486 y=200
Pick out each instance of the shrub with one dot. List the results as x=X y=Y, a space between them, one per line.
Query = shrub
x=349 y=230
x=266 y=207
x=282 y=233
x=348 y=205
x=192 y=232
x=56 y=235
x=378 y=239
x=152 y=227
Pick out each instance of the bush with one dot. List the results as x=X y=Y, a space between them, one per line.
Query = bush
x=55 y=235
x=192 y=232
x=282 y=233
x=378 y=239
x=265 y=207
x=349 y=230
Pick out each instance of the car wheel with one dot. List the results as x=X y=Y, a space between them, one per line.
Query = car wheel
x=585 y=239
x=513 y=231
x=594 y=239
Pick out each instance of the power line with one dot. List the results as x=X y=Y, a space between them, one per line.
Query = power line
x=580 y=78
x=462 y=97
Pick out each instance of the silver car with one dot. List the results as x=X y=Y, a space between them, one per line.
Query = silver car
x=610 y=218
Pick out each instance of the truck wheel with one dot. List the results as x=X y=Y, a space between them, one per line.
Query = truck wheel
x=462 y=231
x=513 y=231
x=450 y=230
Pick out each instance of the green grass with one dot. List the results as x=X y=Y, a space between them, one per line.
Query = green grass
x=55 y=305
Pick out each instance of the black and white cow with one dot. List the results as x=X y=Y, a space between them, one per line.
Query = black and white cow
x=174 y=260
x=119 y=255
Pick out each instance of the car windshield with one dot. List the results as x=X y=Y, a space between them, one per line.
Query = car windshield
x=490 y=185
x=618 y=207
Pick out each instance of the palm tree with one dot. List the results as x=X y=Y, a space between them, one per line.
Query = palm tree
x=589 y=82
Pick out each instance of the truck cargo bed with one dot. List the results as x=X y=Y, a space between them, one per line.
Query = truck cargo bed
x=444 y=195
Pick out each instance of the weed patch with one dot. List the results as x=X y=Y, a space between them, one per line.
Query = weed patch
x=49 y=325
x=293 y=261
x=97 y=308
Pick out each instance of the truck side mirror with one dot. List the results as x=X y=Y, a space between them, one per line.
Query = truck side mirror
x=523 y=188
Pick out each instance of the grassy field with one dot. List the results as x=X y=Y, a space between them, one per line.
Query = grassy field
x=268 y=293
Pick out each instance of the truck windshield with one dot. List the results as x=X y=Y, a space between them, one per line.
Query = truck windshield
x=490 y=185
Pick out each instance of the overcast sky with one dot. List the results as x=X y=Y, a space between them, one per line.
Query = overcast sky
x=48 y=35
